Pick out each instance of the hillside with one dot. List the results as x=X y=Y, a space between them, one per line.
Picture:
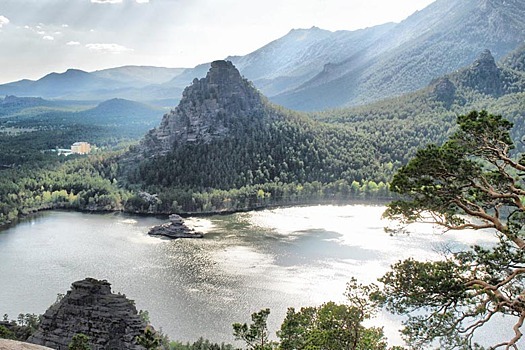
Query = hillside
x=139 y=76
x=29 y=126
x=443 y=37
x=224 y=135
x=428 y=115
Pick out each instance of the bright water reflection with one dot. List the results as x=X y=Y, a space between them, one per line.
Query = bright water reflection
x=276 y=258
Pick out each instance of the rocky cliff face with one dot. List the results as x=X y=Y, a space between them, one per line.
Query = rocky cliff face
x=483 y=75
x=110 y=320
x=207 y=110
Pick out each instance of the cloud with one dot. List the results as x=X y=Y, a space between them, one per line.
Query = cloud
x=72 y=43
x=117 y=1
x=108 y=48
x=3 y=21
x=106 y=1
x=48 y=37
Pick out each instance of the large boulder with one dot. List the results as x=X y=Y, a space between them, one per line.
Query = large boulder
x=111 y=321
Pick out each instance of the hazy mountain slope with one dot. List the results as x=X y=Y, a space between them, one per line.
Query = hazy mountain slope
x=314 y=69
x=129 y=82
x=443 y=37
x=139 y=76
x=301 y=54
x=515 y=60
x=118 y=107
x=13 y=104
x=59 y=85
x=401 y=125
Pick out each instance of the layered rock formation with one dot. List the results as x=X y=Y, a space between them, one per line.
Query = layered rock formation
x=484 y=75
x=175 y=229
x=208 y=108
x=110 y=320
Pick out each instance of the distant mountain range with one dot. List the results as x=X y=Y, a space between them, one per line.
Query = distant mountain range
x=115 y=118
x=314 y=69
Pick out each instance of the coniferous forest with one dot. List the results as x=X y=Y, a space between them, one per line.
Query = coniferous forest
x=291 y=159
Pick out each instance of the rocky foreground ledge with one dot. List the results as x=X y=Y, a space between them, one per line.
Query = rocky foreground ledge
x=175 y=229
x=6 y=344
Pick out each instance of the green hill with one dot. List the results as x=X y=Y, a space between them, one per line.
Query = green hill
x=224 y=135
x=408 y=122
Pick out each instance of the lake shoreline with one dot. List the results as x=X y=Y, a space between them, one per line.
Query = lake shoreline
x=164 y=215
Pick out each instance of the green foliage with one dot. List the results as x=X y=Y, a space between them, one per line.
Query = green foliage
x=29 y=321
x=402 y=125
x=256 y=334
x=263 y=160
x=200 y=344
x=83 y=183
x=291 y=149
x=79 y=342
x=334 y=326
x=144 y=315
x=5 y=333
x=21 y=329
x=149 y=339
x=473 y=181
x=329 y=326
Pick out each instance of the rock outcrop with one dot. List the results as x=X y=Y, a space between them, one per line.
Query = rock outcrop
x=111 y=321
x=175 y=229
x=444 y=90
x=484 y=75
x=207 y=109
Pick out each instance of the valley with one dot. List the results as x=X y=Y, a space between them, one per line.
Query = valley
x=286 y=158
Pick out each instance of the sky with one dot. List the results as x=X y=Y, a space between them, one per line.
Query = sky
x=42 y=36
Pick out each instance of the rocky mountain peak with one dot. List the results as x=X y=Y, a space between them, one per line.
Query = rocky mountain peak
x=208 y=109
x=110 y=320
x=483 y=75
x=485 y=61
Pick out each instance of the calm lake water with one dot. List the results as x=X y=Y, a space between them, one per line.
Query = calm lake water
x=298 y=256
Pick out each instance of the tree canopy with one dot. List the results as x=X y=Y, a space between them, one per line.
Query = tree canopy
x=473 y=181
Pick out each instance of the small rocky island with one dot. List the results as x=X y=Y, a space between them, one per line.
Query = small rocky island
x=175 y=229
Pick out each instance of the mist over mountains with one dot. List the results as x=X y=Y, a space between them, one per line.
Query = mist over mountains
x=315 y=69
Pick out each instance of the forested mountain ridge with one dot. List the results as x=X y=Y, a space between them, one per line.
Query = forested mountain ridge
x=410 y=121
x=224 y=135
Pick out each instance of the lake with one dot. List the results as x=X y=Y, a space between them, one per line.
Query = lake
x=297 y=256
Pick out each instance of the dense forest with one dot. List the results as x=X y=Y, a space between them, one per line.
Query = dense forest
x=284 y=161
x=272 y=158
